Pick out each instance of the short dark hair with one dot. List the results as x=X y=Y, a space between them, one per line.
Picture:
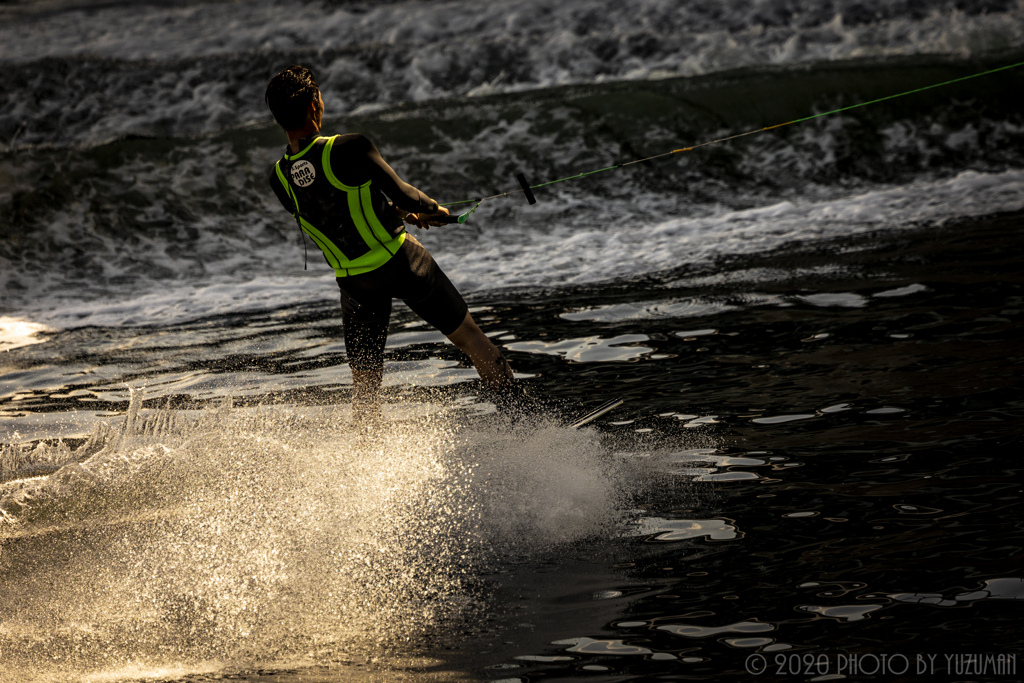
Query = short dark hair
x=289 y=94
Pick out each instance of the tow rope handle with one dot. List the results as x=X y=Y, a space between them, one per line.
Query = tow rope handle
x=527 y=190
x=452 y=218
x=461 y=218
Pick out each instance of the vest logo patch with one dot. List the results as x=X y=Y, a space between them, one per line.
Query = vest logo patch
x=303 y=173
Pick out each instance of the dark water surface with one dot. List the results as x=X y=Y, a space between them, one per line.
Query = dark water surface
x=868 y=466
x=819 y=455
x=880 y=463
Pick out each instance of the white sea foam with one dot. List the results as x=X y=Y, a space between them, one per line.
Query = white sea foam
x=680 y=39
x=414 y=51
x=533 y=255
x=166 y=304
x=601 y=252
x=158 y=237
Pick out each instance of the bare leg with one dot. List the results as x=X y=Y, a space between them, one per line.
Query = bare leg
x=366 y=385
x=365 y=345
x=490 y=364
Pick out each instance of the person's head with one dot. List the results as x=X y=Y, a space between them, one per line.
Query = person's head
x=290 y=94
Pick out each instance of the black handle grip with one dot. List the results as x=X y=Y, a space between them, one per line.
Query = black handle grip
x=526 y=188
x=449 y=218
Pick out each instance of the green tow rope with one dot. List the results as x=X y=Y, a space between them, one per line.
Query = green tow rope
x=527 y=189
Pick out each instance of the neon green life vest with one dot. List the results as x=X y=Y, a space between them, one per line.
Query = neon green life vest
x=343 y=221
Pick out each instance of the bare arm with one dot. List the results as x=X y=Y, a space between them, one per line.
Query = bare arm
x=404 y=195
x=356 y=159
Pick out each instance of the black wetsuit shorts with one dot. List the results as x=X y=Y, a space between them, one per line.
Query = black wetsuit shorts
x=411 y=275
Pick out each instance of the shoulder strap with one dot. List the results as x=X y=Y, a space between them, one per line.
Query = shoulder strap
x=295 y=201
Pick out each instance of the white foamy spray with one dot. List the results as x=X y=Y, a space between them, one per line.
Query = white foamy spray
x=269 y=536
